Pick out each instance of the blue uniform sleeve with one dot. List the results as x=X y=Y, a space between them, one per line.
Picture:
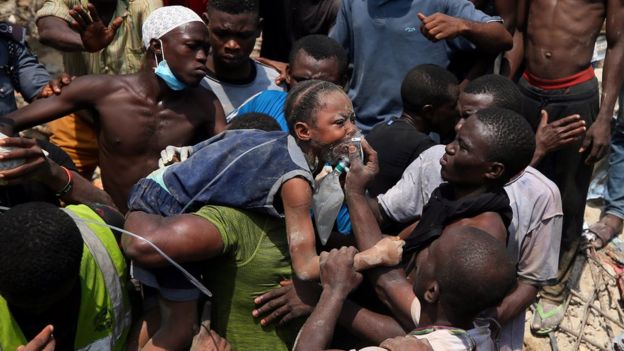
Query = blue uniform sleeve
x=466 y=10
x=30 y=75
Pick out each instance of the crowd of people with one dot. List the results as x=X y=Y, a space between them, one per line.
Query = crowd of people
x=385 y=175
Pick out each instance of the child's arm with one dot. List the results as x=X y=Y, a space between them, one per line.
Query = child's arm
x=297 y=199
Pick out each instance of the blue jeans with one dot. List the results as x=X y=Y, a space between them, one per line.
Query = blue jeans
x=614 y=191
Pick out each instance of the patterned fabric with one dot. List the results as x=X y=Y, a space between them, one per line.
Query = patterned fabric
x=123 y=55
x=164 y=19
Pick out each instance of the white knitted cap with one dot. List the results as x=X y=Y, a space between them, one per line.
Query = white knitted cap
x=162 y=20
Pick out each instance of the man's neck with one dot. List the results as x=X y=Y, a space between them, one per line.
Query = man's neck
x=434 y=315
x=462 y=192
x=416 y=121
x=239 y=75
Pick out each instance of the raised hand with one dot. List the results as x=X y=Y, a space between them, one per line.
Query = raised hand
x=360 y=175
x=94 y=33
x=439 y=26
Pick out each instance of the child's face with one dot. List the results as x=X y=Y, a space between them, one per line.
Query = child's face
x=333 y=127
x=465 y=159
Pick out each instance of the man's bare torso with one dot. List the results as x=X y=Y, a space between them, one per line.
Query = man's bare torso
x=560 y=36
x=134 y=128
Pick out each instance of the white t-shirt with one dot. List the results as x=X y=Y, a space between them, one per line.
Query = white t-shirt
x=232 y=96
x=448 y=339
x=534 y=232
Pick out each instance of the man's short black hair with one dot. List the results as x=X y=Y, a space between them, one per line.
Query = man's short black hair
x=427 y=85
x=320 y=47
x=40 y=250
x=476 y=272
x=254 y=120
x=510 y=138
x=304 y=99
x=235 y=7
x=504 y=91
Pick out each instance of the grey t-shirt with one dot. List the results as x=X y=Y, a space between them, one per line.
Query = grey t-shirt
x=384 y=42
x=534 y=232
x=232 y=96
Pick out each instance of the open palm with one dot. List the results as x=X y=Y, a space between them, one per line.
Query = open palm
x=94 y=34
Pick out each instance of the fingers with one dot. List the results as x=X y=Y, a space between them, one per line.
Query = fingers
x=271 y=295
x=422 y=17
x=44 y=341
x=18 y=142
x=586 y=142
x=116 y=23
x=81 y=18
x=275 y=315
x=185 y=152
x=543 y=119
x=93 y=12
x=369 y=153
x=269 y=306
x=597 y=152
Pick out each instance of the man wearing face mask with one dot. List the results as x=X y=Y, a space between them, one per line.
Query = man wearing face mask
x=140 y=114
x=95 y=37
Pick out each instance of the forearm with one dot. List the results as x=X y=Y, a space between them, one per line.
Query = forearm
x=82 y=191
x=55 y=32
x=367 y=324
x=490 y=37
x=516 y=302
x=365 y=228
x=41 y=111
x=318 y=330
x=611 y=80
x=305 y=268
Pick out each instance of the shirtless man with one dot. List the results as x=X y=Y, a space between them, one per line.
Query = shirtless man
x=140 y=114
x=559 y=40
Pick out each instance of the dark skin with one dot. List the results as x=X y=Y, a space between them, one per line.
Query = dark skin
x=559 y=37
x=306 y=67
x=39 y=168
x=232 y=38
x=87 y=33
x=158 y=116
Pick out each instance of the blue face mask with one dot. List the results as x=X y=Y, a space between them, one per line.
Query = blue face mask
x=164 y=72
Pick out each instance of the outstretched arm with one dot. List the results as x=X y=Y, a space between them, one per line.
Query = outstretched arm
x=82 y=93
x=184 y=238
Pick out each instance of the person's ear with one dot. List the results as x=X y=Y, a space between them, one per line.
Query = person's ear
x=494 y=171
x=155 y=46
x=302 y=131
x=432 y=294
x=427 y=111
x=205 y=17
x=288 y=78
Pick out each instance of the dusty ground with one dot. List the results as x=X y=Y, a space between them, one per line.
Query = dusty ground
x=598 y=328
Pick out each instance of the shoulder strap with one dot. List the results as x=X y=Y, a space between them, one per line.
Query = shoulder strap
x=111 y=279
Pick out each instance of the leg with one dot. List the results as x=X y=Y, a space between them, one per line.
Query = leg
x=611 y=222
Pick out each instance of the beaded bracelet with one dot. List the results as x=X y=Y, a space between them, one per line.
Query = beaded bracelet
x=70 y=183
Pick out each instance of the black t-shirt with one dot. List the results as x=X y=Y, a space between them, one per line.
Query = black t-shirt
x=32 y=190
x=397 y=143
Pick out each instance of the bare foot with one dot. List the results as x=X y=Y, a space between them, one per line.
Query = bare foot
x=387 y=252
x=606 y=229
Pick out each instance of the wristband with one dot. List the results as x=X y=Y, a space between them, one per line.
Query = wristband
x=70 y=183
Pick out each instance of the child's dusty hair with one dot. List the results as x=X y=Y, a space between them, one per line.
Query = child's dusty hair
x=305 y=99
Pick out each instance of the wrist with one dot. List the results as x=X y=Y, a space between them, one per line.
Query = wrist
x=464 y=27
x=333 y=292
x=61 y=180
